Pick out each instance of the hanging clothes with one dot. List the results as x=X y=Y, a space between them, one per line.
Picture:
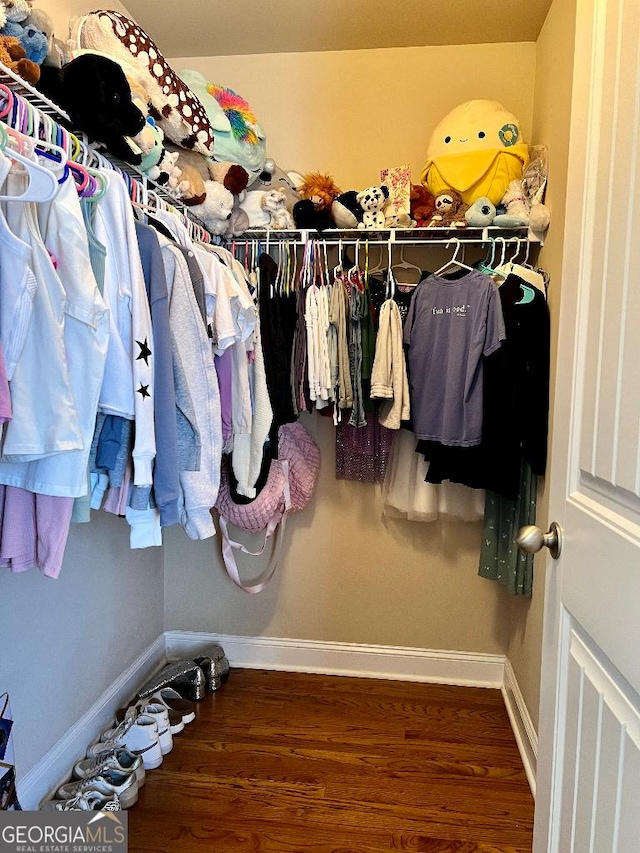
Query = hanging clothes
x=500 y=558
x=362 y=453
x=452 y=324
x=406 y=494
x=166 y=487
x=128 y=388
x=389 y=380
x=278 y=322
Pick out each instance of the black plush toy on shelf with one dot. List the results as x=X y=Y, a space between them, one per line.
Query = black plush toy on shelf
x=95 y=93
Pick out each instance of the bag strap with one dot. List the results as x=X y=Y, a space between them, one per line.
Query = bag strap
x=230 y=545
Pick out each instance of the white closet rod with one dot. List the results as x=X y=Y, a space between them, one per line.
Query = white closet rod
x=442 y=237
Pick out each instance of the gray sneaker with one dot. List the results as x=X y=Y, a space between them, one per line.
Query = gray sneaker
x=108 y=783
x=87 y=801
x=119 y=759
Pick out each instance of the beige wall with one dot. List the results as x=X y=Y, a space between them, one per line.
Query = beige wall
x=552 y=110
x=352 y=113
x=62 y=11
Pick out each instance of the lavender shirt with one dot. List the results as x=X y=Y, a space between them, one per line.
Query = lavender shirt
x=452 y=323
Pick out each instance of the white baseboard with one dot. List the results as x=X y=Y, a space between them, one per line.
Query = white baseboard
x=522 y=724
x=56 y=764
x=391 y=662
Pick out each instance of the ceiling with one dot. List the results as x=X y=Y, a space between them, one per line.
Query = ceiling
x=238 y=27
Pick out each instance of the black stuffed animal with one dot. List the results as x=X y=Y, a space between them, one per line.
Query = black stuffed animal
x=95 y=93
x=346 y=210
x=306 y=216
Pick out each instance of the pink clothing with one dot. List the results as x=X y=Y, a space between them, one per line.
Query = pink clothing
x=117 y=497
x=33 y=530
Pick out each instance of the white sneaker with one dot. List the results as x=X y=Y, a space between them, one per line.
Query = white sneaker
x=86 y=801
x=109 y=784
x=172 y=700
x=118 y=759
x=160 y=714
x=138 y=735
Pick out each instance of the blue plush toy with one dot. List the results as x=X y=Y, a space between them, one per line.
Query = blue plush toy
x=18 y=25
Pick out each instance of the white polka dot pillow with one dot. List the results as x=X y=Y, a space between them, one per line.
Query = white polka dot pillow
x=172 y=103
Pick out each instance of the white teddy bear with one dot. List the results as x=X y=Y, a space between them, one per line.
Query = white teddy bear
x=215 y=211
x=372 y=200
x=275 y=203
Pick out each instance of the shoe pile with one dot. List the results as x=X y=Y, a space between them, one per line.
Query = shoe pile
x=113 y=772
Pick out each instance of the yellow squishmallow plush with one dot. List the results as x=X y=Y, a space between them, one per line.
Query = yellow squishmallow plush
x=476 y=150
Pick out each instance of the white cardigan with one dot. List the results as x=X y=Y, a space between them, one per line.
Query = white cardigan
x=389 y=376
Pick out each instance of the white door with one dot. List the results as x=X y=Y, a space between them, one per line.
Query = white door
x=589 y=762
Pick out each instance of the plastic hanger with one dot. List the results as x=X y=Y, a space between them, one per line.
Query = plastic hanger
x=523 y=271
x=486 y=264
x=43 y=183
x=454 y=261
x=374 y=269
x=404 y=265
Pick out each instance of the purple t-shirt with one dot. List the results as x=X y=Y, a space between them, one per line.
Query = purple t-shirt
x=451 y=325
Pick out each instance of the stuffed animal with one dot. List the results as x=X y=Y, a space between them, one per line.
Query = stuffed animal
x=321 y=189
x=166 y=172
x=273 y=177
x=238 y=222
x=237 y=133
x=150 y=140
x=17 y=24
x=215 y=212
x=372 y=200
x=520 y=212
x=275 y=203
x=12 y=54
x=422 y=205
x=58 y=54
x=476 y=150
x=251 y=204
x=307 y=216
x=346 y=210
x=191 y=188
x=233 y=176
x=450 y=211
x=173 y=105
x=398 y=220
x=41 y=21
x=516 y=208
x=481 y=213
x=96 y=95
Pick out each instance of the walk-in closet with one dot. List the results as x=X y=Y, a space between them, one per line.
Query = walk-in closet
x=360 y=591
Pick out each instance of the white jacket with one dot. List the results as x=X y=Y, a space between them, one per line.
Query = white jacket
x=127 y=389
x=389 y=375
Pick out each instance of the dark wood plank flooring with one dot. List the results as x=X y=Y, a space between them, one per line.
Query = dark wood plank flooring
x=294 y=763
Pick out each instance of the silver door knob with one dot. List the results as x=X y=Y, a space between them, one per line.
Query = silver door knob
x=531 y=539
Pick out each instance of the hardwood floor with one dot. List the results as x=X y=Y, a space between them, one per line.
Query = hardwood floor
x=294 y=763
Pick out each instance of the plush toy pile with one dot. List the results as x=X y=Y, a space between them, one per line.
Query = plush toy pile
x=203 y=142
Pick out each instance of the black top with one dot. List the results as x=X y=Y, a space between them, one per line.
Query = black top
x=278 y=319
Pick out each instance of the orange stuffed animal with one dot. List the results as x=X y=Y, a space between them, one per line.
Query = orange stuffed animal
x=12 y=54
